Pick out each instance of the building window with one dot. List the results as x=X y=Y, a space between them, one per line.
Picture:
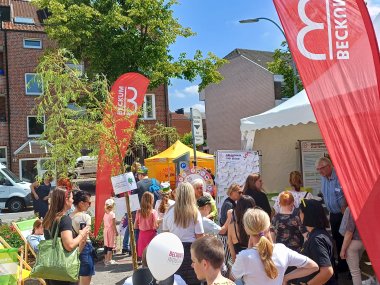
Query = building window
x=33 y=86
x=3 y=155
x=35 y=126
x=33 y=43
x=149 y=107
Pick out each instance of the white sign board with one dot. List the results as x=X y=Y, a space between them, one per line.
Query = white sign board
x=198 y=127
x=123 y=183
x=234 y=167
x=310 y=152
x=121 y=205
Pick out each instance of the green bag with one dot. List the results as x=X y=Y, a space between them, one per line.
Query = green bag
x=54 y=262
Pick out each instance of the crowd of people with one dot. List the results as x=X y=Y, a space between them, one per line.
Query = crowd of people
x=246 y=242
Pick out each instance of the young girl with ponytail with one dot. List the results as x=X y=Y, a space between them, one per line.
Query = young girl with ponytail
x=265 y=263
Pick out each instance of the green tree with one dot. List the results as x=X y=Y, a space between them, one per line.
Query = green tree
x=187 y=139
x=117 y=36
x=282 y=64
x=74 y=107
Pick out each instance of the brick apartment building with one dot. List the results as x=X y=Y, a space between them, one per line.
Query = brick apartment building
x=22 y=43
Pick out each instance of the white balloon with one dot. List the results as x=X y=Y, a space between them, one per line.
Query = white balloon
x=164 y=255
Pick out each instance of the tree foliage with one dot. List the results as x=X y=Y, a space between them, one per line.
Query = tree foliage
x=117 y=36
x=75 y=108
x=282 y=64
x=187 y=139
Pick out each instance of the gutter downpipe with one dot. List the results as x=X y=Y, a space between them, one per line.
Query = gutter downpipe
x=8 y=103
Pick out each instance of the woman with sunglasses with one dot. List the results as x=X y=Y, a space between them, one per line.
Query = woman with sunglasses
x=80 y=219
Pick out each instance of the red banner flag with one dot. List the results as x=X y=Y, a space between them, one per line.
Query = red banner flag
x=334 y=46
x=127 y=96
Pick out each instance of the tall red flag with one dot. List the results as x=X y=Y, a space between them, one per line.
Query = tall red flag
x=127 y=97
x=334 y=46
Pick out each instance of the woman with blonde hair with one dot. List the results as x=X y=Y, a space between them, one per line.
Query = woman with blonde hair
x=185 y=221
x=56 y=219
x=296 y=189
x=265 y=263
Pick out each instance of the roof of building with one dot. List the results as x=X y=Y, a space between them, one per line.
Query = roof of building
x=22 y=9
x=262 y=58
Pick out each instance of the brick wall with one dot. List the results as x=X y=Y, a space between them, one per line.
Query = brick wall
x=21 y=61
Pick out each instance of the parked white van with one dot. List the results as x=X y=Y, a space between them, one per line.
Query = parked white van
x=15 y=194
x=85 y=165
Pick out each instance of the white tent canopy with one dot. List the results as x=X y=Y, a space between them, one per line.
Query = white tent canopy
x=296 y=110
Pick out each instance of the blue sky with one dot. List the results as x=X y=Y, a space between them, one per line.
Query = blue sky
x=218 y=30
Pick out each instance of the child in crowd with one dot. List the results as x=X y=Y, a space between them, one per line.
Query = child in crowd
x=163 y=205
x=37 y=235
x=287 y=224
x=110 y=231
x=209 y=226
x=207 y=255
x=146 y=222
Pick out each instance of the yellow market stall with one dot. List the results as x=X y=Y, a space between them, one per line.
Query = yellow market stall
x=162 y=167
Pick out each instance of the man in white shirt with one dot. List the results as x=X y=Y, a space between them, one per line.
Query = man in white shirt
x=210 y=227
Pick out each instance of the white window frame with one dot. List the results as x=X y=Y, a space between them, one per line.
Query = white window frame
x=27 y=126
x=40 y=171
x=26 y=85
x=6 y=155
x=32 y=39
x=145 y=111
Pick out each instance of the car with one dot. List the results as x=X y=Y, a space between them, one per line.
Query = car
x=15 y=194
x=85 y=165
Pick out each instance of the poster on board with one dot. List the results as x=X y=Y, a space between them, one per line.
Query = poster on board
x=233 y=166
x=311 y=151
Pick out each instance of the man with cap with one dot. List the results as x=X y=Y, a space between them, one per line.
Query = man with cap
x=145 y=183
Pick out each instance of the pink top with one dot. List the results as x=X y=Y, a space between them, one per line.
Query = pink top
x=107 y=219
x=149 y=223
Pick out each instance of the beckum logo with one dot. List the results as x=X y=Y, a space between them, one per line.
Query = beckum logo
x=337 y=31
x=122 y=100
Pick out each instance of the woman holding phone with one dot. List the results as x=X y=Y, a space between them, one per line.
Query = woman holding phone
x=80 y=219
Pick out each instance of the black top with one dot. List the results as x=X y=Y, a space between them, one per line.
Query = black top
x=319 y=247
x=64 y=225
x=261 y=200
x=228 y=204
x=41 y=206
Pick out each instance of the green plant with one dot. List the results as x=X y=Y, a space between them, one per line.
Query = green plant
x=97 y=241
x=10 y=235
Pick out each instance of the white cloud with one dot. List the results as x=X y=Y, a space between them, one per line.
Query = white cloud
x=373 y=7
x=199 y=106
x=186 y=92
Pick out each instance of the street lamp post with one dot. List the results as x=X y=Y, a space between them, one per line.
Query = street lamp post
x=255 y=20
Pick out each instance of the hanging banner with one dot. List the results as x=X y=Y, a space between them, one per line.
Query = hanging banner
x=127 y=97
x=334 y=46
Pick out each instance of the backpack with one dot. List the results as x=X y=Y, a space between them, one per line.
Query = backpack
x=154 y=188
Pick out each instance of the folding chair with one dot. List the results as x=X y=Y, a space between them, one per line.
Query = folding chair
x=24 y=228
x=22 y=274
x=9 y=273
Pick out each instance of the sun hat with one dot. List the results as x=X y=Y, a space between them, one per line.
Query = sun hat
x=165 y=187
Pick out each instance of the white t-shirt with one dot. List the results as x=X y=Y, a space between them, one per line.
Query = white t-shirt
x=158 y=203
x=184 y=234
x=249 y=266
x=210 y=227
